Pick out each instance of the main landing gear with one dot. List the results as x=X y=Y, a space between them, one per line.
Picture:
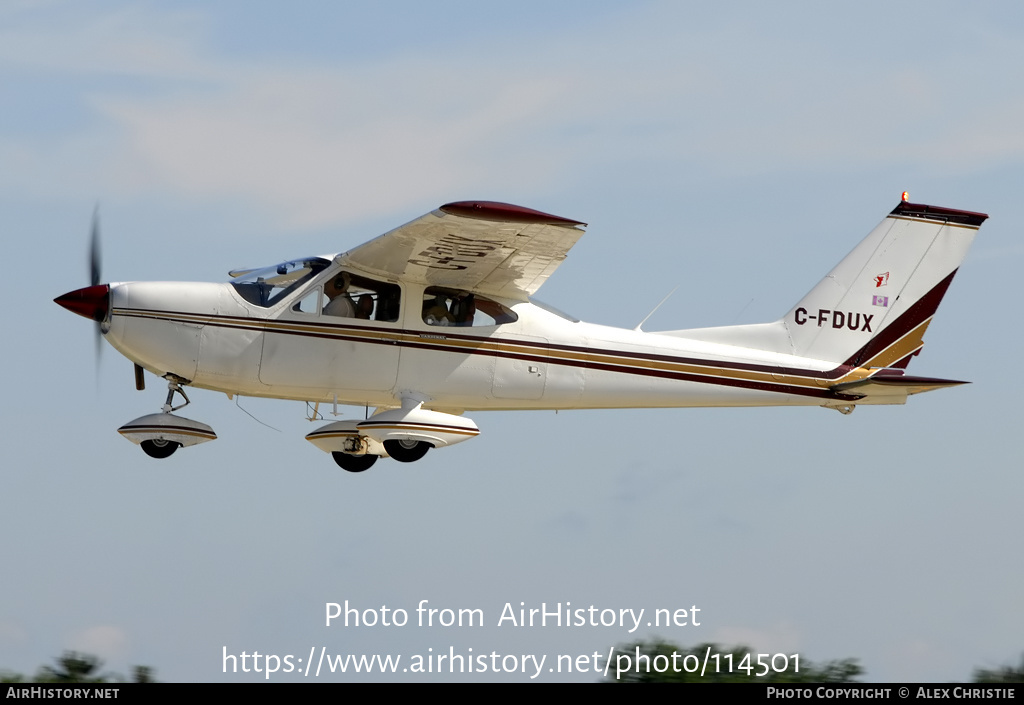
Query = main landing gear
x=406 y=451
x=353 y=463
x=403 y=451
x=355 y=452
x=405 y=434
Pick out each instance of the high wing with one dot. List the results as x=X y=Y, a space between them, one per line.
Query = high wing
x=481 y=246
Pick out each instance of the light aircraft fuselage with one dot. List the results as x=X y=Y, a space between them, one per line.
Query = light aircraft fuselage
x=436 y=318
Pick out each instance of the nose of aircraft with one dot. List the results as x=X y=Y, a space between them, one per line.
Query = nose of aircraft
x=91 y=302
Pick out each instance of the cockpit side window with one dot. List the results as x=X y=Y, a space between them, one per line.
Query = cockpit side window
x=311 y=302
x=443 y=306
x=265 y=287
x=354 y=296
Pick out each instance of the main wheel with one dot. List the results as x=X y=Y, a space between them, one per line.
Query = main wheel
x=354 y=463
x=406 y=451
x=159 y=448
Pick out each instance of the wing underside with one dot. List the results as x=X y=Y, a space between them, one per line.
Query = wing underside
x=491 y=248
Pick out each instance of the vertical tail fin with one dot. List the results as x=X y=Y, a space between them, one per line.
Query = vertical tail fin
x=873 y=308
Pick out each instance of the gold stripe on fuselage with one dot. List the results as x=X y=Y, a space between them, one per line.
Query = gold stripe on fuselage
x=626 y=363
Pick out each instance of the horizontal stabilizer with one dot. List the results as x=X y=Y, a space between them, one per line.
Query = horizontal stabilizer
x=889 y=383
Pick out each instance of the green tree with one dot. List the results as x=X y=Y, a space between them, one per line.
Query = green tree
x=76 y=667
x=72 y=667
x=143 y=674
x=664 y=662
x=1003 y=674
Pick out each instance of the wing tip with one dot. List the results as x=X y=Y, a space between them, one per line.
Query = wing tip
x=505 y=213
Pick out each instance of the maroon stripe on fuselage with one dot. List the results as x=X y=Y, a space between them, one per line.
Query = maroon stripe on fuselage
x=910 y=319
x=337 y=332
x=426 y=344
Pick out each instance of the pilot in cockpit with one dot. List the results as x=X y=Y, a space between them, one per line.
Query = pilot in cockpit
x=340 y=303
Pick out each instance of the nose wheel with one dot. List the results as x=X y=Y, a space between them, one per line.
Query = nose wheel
x=159 y=448
x=160 y=435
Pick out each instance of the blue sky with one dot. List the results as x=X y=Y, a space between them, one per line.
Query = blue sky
x=736 y=152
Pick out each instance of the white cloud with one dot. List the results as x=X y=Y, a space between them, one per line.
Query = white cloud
x=312 y=141
x=324 y=147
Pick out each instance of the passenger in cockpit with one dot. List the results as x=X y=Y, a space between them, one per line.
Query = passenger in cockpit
x=364 y=306
x=435 y=311
x=464 y=309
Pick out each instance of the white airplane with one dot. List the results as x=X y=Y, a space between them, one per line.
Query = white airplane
x=436 y=318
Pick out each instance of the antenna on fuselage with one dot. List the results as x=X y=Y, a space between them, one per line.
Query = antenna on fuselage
x=655 y=309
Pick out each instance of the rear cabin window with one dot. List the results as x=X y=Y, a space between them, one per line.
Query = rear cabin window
x=451 y=307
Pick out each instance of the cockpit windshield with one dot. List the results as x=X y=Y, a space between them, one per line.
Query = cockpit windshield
x=265 y=287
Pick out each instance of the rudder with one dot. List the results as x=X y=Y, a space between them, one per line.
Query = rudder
x=873 y=308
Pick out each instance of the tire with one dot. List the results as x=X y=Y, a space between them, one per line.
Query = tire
x=407 y=451
x=159 y=448
x=354 y=463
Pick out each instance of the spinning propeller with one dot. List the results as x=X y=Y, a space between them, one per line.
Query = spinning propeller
x=95 y=272
x=93 y=301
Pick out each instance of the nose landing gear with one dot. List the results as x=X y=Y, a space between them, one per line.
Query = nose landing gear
x=160 y=435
